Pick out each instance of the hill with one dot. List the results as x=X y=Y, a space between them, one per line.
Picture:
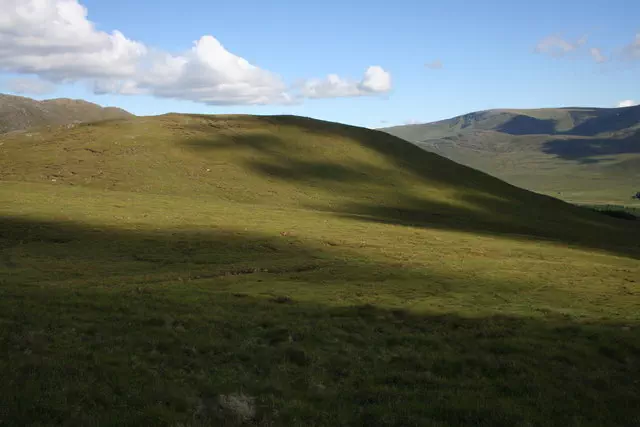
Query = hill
x=586 y=155
x=241 y=270
x=20 y=113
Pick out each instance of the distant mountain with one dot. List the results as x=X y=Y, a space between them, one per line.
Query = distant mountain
x=579 y=154
x=20 y=113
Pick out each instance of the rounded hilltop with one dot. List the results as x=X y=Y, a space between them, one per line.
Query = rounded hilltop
x=286 y=162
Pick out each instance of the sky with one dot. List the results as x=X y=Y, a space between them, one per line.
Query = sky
x=371 y=63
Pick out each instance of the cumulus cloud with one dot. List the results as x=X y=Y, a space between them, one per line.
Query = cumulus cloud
x=597 y=55
x=207 y=73
x=55 y=40
x=375 y=81
x=435 y=65
x=29 y=86
x=557 y=46
x=627 y=103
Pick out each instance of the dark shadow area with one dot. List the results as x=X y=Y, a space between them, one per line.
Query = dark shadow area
x=582 y=149
x=609 y=120
x=497 y=208
x=316 y=171
x=57 y=251
x=498 y=218
x=121 y=346
x=527 y=125
x=620 y=214
x=617 y=211
x=50 y=253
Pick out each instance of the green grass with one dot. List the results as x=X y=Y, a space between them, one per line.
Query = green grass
x=618 y=211
x=334 y=275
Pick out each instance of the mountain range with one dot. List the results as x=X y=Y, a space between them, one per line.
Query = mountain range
x=588 y=155
x=20 y=113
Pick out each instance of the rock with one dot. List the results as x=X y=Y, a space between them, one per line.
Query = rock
x=240 y=404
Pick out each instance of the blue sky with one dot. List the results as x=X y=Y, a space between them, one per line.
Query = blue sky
x=490 y=54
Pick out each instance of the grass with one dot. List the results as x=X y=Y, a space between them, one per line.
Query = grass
x=621 y=212
x=316 y=275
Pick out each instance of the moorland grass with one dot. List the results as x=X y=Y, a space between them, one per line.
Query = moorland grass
x=320 y=274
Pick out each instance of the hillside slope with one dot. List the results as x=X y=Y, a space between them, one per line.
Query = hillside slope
x=287 y=162
x=282 y=271
x=20 y=113
x=579 y=154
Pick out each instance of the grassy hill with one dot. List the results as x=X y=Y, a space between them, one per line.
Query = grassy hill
x=239 y=270
x=20 y=113
x=585 y=155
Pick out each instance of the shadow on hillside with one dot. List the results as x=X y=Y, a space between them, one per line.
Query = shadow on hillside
x=404 y=155
x=142 y=354
x=498 y=218
x=327 y=171
x=48 y=251
x=281 y=163
x=51 y=253
x=583 y=150
x=488 y=205
x=527 y=125
x=616 y=120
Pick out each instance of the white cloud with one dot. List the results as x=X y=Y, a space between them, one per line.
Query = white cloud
x=375 y=81
x=556 y=46
x=435 y=65
x=207 y=73
x=597 y=55
x=54 y=40
x=29 y=86
x=627 y=103
x=330 y=87
x=412 y=122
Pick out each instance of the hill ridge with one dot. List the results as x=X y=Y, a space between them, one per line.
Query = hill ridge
x=287 y=162
x=18 y=113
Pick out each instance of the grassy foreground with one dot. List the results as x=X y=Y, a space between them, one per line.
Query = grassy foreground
x=455 y=301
